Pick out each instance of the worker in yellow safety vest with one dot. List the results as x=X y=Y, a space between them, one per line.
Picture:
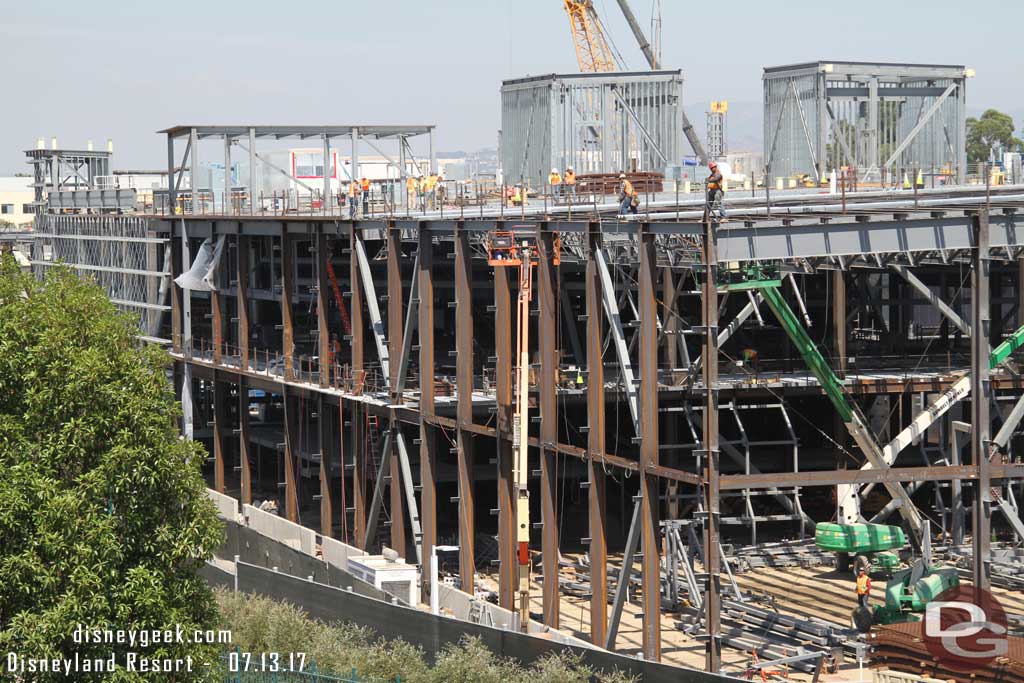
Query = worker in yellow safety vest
x=353 y=197
x=555 y=181
x=431 y=188
x=863 y=587
x=410 y=189
x=570 y=181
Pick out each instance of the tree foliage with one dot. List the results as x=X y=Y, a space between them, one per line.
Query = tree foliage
x=103 y=514
x=259 y=624
x=993 y=129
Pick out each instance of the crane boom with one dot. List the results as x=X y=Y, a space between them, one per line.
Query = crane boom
x=592 y=51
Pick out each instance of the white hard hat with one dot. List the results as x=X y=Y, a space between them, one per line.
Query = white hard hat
x=568 y=168
x=622 y=175
x=554 y=170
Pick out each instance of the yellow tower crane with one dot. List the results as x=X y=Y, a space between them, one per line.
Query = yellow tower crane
x=592 y=51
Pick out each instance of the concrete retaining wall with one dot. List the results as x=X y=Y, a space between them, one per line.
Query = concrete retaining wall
x=280 y=529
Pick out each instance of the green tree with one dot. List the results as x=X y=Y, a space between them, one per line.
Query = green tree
x=104 y=519
x=994 y=128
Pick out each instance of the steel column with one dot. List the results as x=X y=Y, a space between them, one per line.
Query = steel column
x=548 y=409
x=839 y=320
x=981 y=397
x=649 y=493
x=596 y=446
x=193 y=143
x=291 y=449
x=428 y=438
x=323 y=255
x=287 y=324
x=221 y=430
x=326 y=455
x=508 y=575
x=395 y=300
x=710 y=452
x=464 y=411
x=244 y=440
x=358 y=379
x=242 y=294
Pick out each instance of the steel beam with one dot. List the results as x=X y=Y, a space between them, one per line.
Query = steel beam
x=428 y=443
x=596 y=491
x=377 y=498
x=649 y=489
x=403 y=471
x=611 y=309
x=365 y=276
x=734 y=482
x=932 y=298
x=839 y=320
x=981 y=397
x=625 y=572
x=323 y=255
x=547 y=340
x=464 y=410
x=244 y=439
x=358 y=430
x=508 y=575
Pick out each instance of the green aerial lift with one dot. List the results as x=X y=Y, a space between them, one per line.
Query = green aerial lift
x=867 y=544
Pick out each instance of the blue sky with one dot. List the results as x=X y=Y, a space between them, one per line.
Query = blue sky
x=126 y=69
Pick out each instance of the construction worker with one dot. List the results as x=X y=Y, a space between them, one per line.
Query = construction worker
x=714 y=188
x=353 y=198
x=411 y=187
x=555 y=181
x=626 y=193
x=863 y=587
x=439 y=190
x=422 y=186
x=570 y=182
x=364 y=185
x=431 y=189
x=515 y=199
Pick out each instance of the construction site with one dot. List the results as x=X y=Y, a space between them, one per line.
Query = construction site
x=674 y=428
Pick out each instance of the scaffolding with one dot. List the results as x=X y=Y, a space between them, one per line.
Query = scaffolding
x=883 y=120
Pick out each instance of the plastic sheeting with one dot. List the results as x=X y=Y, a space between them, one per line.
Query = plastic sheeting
x=202 y=275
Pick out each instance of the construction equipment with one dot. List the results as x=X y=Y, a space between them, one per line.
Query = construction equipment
x=765 y=280
x=508 y=249
x=910 y=590
x=594 y=55
x=867 y=544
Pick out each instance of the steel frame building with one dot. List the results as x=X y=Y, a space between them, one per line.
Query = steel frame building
x=883 y=120
x=356 y=425
x=594 y=122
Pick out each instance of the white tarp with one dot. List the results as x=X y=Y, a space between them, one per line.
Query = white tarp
x=202 y=275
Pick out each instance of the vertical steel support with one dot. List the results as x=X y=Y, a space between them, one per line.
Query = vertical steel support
x=187 y=408
x=323 y=256
x=428 y=438
x=710 y=453
x=327 y=174
x=242 y=295
x=650 y=545
x=839 y=320
x=326 y=456
x=547 y=404
x=291 y=449
x=193 y=140
x=217 y=314
x=287 y=284
x=172 y=192
x=464 y=411
x=355 y=156
x=227 y=174
x=670 y=330
x=177 y=305
x=358 y=420
x=395 y=300
x=345 y=531
x=221 y=430
x=508 y=575
x=252 y=171
x=244 y=440
x=596 y=499
x=981 y=396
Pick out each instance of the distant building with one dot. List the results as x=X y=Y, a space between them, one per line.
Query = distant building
x=16 y=197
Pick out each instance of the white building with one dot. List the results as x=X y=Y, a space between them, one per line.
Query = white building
x=16 y=197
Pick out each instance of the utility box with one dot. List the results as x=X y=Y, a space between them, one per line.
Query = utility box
x=593 y=122
x=388 y=573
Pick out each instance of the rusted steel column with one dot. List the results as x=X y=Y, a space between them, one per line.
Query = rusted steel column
x=346 y=531
x=323 y=419
x=217 y=323
x=323 y=254
x=428 y=438
x=395 y=299
x=981 y=395
x=839 y=318
x=243 y=439
x=291 y=447
x=358 y=425
x=670 y=329
x=649 y=531
x=508 y=575
x=710 y=453
x=596 y=502
x=221 y=430
x=242 y=295
x=287 y=326
x=547 y=403
x=464 y=412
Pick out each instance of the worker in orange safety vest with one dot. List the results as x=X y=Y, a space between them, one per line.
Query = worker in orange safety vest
x=863 y=587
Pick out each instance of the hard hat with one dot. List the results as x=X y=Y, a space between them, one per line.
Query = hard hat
x=568 y=168
x=713 y=164
x=622 y=175
x=554 y=170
